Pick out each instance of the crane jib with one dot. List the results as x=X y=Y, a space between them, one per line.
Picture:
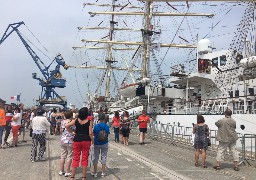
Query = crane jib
x=50 y=80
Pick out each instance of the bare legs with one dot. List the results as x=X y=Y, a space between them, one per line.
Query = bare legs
x=68 y=163
x=203 y=157
x=62 y=161
x=73 y=172
x=84 y=169
x=218 y=164
x=95 y=168
x=122 y=138
x=197 y=155
x=104 y=168
x=125 y=140
x=142 y=137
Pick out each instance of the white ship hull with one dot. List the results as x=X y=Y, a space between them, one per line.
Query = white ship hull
x=248 y=120
x=128 y=90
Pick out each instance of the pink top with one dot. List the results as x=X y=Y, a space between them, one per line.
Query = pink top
x=116 y=122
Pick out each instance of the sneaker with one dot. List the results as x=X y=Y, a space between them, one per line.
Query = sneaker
x=7 y=144
x=61 y=173
x=67 y=174
x=103 y=174
x=94 y=175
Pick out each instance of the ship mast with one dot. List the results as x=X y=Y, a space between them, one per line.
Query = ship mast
x=110 y=55
x=146 y=40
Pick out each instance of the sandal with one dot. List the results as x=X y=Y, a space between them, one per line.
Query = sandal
x=203 y=165
x=83 y=178
x=72 y=178
x=196 y=164
x=216 y=167
x=236 y=168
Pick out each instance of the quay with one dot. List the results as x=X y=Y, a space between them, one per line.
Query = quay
x=157 y=159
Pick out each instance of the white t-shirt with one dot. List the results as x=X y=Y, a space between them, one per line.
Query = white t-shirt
x=32 y=116
x=40 y=124
x=18 y=121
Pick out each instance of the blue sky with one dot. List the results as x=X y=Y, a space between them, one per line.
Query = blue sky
x=55 y=22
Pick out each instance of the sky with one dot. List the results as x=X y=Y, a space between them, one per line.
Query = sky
x=54 y=23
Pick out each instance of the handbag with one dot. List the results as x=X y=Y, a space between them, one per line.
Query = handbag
x=209 y=141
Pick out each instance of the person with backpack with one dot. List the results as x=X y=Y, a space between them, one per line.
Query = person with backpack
x=125 y=124
x=116 y=125
x=101 y=132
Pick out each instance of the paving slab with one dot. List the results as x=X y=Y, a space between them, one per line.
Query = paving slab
x=154 y=160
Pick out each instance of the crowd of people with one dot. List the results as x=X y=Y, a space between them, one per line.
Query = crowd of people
x=13 y=119
x=80 y=131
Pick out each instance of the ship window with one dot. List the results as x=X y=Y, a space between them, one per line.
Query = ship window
x=203 y=65
x=215 y=62
x=223 y=60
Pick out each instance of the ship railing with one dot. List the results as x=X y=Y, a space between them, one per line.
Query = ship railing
x=246 y=143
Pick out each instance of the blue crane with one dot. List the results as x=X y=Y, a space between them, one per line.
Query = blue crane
x=51 y=79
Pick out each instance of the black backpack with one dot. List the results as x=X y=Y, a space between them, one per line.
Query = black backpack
x=102 y=136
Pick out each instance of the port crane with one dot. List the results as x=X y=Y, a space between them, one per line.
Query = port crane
x=51 y=78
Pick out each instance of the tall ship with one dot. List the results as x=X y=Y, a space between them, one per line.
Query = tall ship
x=141 y=36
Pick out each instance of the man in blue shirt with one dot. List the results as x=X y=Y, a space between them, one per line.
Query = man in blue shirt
x=101 y=132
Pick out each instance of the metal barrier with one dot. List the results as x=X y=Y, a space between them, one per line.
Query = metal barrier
x=173 y=133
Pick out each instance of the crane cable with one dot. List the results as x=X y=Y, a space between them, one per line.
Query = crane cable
x=37 y=41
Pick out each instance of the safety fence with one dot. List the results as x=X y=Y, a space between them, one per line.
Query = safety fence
x=246 y=143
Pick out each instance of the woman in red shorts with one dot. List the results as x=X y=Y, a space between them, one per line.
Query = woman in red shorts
x=16 y=123
x=82 y=141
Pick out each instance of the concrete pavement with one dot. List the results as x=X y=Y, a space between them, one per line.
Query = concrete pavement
x=154 y=160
